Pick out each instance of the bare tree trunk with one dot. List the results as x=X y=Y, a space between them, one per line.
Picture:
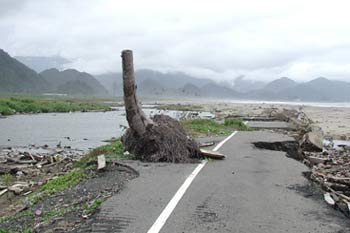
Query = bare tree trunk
x=160 y=139
x=136 y=118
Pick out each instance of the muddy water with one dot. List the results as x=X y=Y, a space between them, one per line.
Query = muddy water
x=78 y=130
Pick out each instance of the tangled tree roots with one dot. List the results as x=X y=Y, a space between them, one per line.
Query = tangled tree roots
x=165 y=141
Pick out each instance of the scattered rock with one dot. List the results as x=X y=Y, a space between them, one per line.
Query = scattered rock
x=19 y=188
x=38 y=212
x=101 y=162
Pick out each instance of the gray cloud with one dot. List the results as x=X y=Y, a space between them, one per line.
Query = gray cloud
x=10 y=6
x=215 y=39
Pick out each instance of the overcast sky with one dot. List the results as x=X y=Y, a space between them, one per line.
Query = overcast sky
x=261 y=39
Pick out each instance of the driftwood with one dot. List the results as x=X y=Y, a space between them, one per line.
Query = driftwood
x=18 y=161
x=12 y=168
x=212 y=154
x=2 y=192
x=337 y=187
x=315 y=160
x=328 y=198
x=206 y=144
x=341 y=180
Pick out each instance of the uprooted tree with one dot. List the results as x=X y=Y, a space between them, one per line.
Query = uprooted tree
x=157 y=139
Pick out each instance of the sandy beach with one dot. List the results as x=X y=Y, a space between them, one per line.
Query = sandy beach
x=335 y=121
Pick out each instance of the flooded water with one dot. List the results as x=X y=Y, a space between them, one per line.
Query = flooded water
x=78 y=130
x=295 y=103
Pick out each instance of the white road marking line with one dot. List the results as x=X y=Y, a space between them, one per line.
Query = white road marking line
x=163 y=217
x=224 y=141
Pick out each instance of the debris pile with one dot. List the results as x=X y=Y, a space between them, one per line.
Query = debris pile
x=21 y=169
x=331 y=169
x=188 y=115
x=330 y=164
x=297 y=117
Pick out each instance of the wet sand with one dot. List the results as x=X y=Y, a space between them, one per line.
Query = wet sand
x=334 y=121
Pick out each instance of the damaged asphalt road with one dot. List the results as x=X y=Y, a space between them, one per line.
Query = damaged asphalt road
x=252 y=190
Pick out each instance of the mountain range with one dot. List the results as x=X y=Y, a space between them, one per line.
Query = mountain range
x=73 y=82
x=15 y=77
x=153 y=83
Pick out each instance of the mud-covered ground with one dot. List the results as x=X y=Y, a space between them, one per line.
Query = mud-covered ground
x=71 y=208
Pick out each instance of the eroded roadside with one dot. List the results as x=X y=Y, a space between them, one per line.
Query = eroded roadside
x=75 y=189
x=58 y=192
x=329 y=162
x=59 y=189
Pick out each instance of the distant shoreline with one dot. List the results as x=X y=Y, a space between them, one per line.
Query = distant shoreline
x=162 y=100
x=333 y=118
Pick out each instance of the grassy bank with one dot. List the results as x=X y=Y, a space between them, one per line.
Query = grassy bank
x=198 y=127
x=13 y=105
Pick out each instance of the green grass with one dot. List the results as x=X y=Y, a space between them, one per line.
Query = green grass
x=12 y=105
x=23 y=214
x=58 y=184
x=90 y=209
x=7 y=179
x=113 y=150
x=48 y=215
x=62 y=182
x=236 y=124
x=212 y=127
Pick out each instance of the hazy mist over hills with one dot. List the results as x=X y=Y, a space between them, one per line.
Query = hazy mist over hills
x=16 y=77
x=153 y=83
x=40 y=64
